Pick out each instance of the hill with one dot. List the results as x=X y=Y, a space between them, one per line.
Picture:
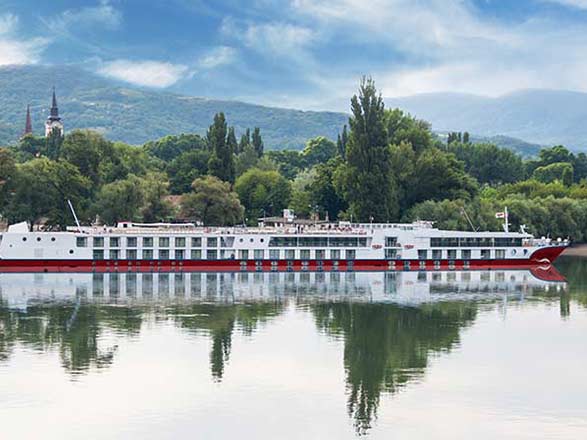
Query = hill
x=546 y=117
x=136 y=115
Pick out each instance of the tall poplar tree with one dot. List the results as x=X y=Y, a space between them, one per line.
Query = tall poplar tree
x=369 y=185
x=221 y=163
x=231 y=140
x=245 y=141
x=257 y=141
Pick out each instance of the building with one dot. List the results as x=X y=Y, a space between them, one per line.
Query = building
x=53 y=121
x=28 y=127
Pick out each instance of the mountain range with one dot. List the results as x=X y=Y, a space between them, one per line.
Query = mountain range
x=136 y=115
x=546 y=117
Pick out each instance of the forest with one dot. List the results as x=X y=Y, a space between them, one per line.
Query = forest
x=385 y=166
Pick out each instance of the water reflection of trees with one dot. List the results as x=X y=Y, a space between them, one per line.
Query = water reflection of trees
x=75 y=329
x=387 y=346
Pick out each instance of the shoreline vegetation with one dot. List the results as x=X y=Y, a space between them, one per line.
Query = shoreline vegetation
x=385 y=166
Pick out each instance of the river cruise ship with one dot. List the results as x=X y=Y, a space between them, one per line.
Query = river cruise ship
x=277 y=247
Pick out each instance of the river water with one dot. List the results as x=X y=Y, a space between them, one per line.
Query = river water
x=418 y=355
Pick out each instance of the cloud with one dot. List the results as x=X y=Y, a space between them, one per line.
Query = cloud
x=103 y=14
x=144 y=73
x=218 y=56
x=14 y=50
x=581 y=4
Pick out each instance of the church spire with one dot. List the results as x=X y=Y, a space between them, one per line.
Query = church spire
x=53 y=121
x=28 y=126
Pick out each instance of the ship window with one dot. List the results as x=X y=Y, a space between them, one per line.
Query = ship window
x=212 y=254
x=196 y=241
x=23 y=238
x=305 y=254
x=466 y=254
x=500 y=254
x=164 y=254
x=362 y=242
x=274 y=254
x=290 y=254
x=131 y=242
x=38 y=238
x=320 y=254
x=71 y=251
x=148 y=254
x=243 y=254
x=179 y=254
x=335 y=254
x=312 y=241
x=435 y=242
x=451 y=254
x=390 y=254
x=422 y=254
x=283 y=241
x=81 y=241
x=350 y=254
x=114 y=242
x=258 y=254
x=390 y=241
x=98 y=254
x=196 y=254
x=436 y=254
x=485 y=254
x=148 y=242
x=131 y=254
x=163 y=242
x=114 y=254
x=98 y=241
x=52 y=238
x=179 y=242
x=212 y=242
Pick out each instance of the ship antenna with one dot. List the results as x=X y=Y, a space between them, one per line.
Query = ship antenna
x=468 y=219
x=74 y=214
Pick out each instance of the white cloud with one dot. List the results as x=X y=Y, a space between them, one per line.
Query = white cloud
x=103 y=14
x=14 y=50
x=218 y=56
x=144 y=73
x=581 y=4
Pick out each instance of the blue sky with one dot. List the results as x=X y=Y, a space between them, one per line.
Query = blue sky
x=306 y=53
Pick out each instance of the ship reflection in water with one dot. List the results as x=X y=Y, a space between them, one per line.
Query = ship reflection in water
x=389 y=323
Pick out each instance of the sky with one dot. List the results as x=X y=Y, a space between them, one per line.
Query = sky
x=307 y=54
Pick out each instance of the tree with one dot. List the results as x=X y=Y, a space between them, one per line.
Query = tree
x=120 y=200
x=41 y=190
x=323 y=191
x=7 y=176
x=257 y=141
x=169 y=147
x=246 y=160
x=53 y=144
x=245 y=141
x=155 y=187
x=231 y=141
x=341 y=142
x=212 y=203
x=301 y=200
x=367 y=185
x=185 y=168
x=402 y=127
x=87 y=150
x=263 y=191
x=562 y=171
x=318 y=150
x=221 y=163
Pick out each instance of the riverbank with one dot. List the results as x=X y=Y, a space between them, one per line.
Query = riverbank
x=579 y=250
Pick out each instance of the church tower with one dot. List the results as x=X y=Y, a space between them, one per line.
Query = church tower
x=28 y=126
x=53 y=121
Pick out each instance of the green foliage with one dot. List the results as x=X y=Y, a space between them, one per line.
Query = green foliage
x=170 y=147
x=262 y=192
x=221 y=162
x=488 y=163
x=246 y=160
x=402 y=127
x=120 y=200
x=323 y=190
x=561 y=171
x=185 y=168
x=318 y=150
x=257 y=141
x=365 y=180
x=212 y=203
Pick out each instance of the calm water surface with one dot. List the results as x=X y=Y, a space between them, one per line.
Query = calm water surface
x=499 y=354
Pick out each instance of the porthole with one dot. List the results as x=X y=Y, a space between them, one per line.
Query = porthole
x=262 y=240
x=525 y=251
x=23 y=238
x=241 y=240
x=252 y=240
x=52 y=238
x=513 y=252
x=71 y=251
x=38 y=238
